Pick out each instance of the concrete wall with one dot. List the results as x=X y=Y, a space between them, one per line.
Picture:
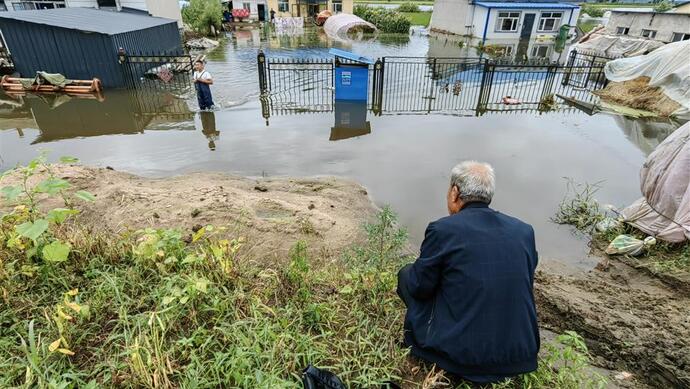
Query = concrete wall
x=683 y=9
x=451 y=16
x=665 y=24
x=169 y=9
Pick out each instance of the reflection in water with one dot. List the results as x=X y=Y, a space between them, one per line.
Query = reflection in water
x=120 y=112
x=350 y=120
x=646 y=133
x=208 y=128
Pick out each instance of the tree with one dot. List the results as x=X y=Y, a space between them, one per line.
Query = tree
x=200 y=15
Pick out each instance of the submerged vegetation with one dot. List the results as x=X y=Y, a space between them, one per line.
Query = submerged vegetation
x=580 y=209
x=86 y=308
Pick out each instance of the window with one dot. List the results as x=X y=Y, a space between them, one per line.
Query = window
x=283 y=6
x=649 y=33
x=622 y=30
x=679 y=36
x=550 y=21
x=3 y=7
x=507 y=21
x=337 y=6
x=23 y=6
x=540 y=51
x=246 y=6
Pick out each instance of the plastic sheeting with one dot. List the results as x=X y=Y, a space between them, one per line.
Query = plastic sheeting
x=664 y=211
x=667 y=68
x=340 y=24
x=615 y=46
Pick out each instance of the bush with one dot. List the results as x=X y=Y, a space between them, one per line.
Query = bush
x=385 y=20
x=408 y=7
x=595 y=12
x=663 y=6
x=200 y=15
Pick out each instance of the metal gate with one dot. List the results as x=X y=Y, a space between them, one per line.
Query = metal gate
x=157 y=71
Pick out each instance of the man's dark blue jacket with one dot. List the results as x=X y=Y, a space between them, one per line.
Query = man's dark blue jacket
x=471 y=304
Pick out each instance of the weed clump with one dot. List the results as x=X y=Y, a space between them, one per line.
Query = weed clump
x=579 y=208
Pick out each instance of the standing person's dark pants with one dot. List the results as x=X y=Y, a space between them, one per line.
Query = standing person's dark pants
x=203 y=95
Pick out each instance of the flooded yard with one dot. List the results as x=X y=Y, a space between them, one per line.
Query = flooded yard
x=403 y=159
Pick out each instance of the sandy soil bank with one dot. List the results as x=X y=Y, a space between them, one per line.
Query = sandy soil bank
x=272 y=214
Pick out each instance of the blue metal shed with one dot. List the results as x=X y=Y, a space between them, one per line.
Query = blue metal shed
x=83 y=43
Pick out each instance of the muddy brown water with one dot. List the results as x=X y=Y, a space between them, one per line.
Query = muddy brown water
x=404 y=160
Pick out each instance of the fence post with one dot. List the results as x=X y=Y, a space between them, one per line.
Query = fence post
x=548 y=81
x=571 y=61
x=485 y=91
x=261 y=63
x=377 y=87
x=589 y=71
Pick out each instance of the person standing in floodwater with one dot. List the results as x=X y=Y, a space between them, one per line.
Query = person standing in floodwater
x=202 y=83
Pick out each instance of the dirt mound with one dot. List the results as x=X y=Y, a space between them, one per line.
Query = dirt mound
x=272 y=213
x=633 y=321
x=639 y=95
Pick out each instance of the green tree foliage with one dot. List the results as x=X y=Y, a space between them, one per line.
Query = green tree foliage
x=200 y=15
x=385 y=20
x=663 y=6
x=595 y=12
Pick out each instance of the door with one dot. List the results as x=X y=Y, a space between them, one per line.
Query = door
x=261 y=10
x=527 y=25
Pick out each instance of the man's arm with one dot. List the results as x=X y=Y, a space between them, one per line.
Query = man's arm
x=425 y=274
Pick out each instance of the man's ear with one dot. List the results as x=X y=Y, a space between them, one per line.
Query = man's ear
x=454 y=193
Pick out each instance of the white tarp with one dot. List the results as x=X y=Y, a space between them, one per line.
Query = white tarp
x=667 y=68
x=338 y=25
x=614 y=46
x=664 y=211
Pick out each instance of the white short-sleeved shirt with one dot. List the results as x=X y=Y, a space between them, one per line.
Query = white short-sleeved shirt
x=202 y=75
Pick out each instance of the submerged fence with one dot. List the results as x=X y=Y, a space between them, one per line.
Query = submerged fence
x=433 y=84
x=156 y=71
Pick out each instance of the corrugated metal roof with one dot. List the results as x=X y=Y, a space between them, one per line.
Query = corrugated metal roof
x=523 y=5
x=88 y=19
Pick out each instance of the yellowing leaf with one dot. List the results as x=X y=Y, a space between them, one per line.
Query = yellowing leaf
x=63 y=315
x=54 y=346
x=73 y=292
x=168 y=299
x=199 y=234
x=74 y=306
x=65 y=351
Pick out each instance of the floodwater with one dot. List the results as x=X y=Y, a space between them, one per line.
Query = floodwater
x=403 y=159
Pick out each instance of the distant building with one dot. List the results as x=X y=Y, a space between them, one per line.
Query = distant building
x=162 y=8
x=664 y=27
x=488 y=20
x=83 y=43
x=306 y=8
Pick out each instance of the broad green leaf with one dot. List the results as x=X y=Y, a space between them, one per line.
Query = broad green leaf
x=201 y=285
x=184 y=299
x=32 y=230
x=68 y=159
x=346 y=290
x=51 y=185
x=59 y=215
x=11 y=192
x=56 y=252
x=168 y=299
x=84 y=195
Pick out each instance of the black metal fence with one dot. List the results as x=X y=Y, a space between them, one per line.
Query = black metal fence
x=156 y=71
x=6 y=62
x=433 y=84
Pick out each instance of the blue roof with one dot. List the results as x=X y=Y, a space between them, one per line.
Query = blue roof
x=524 y=5
x=350 y=56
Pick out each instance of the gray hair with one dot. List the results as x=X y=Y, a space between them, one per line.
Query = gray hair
x=475 y=181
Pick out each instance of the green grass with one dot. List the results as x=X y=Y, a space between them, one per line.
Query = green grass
x=171 y=308
x=587 y=25
x=619 y=5
x=418 y=18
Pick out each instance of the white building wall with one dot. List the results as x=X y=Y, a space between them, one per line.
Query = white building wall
x=492 y=32
x=665 y=24
x=450 y=16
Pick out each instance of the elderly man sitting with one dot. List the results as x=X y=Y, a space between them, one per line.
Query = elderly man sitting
x=469 y=298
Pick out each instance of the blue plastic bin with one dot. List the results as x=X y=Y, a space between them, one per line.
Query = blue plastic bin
x=351 y=76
